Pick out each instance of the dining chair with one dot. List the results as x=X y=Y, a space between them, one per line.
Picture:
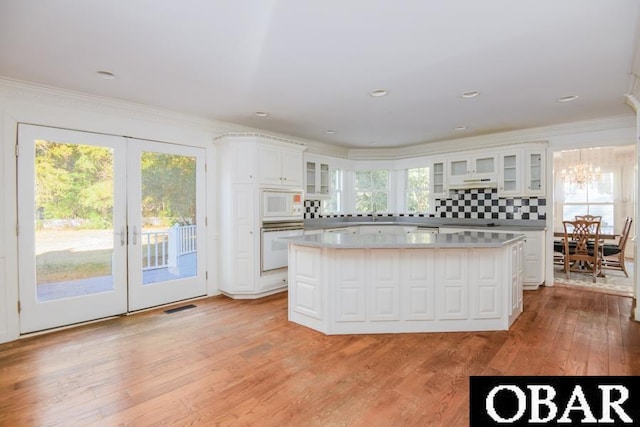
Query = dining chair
x=613 y=253
x=582 y=251
x=589 y=217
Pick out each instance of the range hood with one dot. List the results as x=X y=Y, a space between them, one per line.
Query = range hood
x=474 y=183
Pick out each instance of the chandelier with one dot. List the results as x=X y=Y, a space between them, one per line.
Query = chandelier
x=580 y=174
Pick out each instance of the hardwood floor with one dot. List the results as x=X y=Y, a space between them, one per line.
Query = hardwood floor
x=229 y=362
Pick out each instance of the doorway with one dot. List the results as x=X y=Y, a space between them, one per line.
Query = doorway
x=108 y=225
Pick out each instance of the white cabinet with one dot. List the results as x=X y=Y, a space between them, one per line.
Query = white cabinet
x=534 y=172
x=438 y=179
x=534 y=260
x=247 y=163
x=521 y=173
x=533 y=268
x=510 y=174
x=482 y=166
x=317 y=178
x=278 y=167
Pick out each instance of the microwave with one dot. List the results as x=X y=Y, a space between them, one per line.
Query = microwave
x=282 y=205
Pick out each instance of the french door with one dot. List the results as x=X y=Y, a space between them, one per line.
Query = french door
x=107 y=225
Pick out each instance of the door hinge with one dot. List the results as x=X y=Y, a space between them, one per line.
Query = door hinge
x=19 y=307
x=17 y=150
x=17 y=229
x=206 y=221
x=205 y=167
x=206 y=275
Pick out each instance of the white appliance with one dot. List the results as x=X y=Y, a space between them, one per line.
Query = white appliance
x=274 y=253
x=282 y=216
x=281 y=205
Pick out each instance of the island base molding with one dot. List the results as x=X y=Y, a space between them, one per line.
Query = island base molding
x=366 y=291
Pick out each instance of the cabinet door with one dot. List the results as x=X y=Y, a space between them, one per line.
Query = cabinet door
x=534 y=170
x=438 y=185
x=291 y=169
x=243 y=161
x=310 y=175
x=270 y=165
x=533 y=268
x=484 y=165
x=510 y=176
x=458 y=167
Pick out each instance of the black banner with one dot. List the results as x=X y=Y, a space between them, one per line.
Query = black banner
x=536 y=401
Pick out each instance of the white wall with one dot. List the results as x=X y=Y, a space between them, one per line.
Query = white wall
x=26 y=104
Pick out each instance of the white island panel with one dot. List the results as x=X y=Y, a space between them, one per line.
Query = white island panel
x=385 y=286
x=405 y=289
x=418 y=281
x=452 y=278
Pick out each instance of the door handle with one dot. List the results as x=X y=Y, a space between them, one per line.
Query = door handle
x=122 y=237
x=135 y=235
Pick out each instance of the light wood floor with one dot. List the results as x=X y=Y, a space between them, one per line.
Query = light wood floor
x=229 y=362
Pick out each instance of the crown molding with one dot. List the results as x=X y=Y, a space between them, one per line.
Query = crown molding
x=544 y=134
x=21 y=91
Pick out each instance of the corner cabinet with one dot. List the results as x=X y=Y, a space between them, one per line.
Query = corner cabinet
x=246 y=164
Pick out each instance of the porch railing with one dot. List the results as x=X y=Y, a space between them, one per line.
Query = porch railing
x=163 y=247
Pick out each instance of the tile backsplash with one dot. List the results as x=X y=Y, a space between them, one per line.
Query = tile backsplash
x=472 y=203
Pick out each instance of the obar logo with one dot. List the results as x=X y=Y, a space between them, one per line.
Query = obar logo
x=526 y=401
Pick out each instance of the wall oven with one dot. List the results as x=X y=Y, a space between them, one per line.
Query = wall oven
x=274 y=253
x=282 y=216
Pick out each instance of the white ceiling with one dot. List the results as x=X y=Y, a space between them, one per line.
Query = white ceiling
x=311 y=64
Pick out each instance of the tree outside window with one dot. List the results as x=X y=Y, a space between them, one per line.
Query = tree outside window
x=333 y=204
x=417 y=190
x=371 y=188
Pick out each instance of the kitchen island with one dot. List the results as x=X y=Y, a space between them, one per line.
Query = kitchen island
x=410 y=282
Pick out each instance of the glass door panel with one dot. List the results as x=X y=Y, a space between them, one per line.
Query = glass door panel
x=166 y=218
x=72 y=245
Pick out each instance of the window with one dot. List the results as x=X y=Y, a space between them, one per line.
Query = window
x=333 y=204
x=593 y=199
x=371 y=190
x=417 y=190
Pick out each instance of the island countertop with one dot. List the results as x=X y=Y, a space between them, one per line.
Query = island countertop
x=465 y=239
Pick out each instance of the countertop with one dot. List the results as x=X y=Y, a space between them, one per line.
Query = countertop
x=464 y=239
x=493 y=225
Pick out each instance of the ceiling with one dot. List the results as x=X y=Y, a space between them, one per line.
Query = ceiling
x=311 y=65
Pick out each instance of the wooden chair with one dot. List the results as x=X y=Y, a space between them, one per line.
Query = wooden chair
x=613 y=254
x=589 y=217
x=582 y=251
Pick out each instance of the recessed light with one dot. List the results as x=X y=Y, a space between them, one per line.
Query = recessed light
x=460 y=128
x=378 y=93
x=329 y=131
x=568 y=98
x=372 y=143
x=261 y=114
x=470 y=94
x=107 y=75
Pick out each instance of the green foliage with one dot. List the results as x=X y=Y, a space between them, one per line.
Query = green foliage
x=371 y=190
x=75 y=182
x=418 y=190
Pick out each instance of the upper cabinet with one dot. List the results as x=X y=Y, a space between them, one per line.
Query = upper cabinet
x=462 y=169
x=265 y=161
x=522 y=173
x=279 y=167
x=317 y=177
x=438 y=179
x=534 y=172
x=510 y=177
